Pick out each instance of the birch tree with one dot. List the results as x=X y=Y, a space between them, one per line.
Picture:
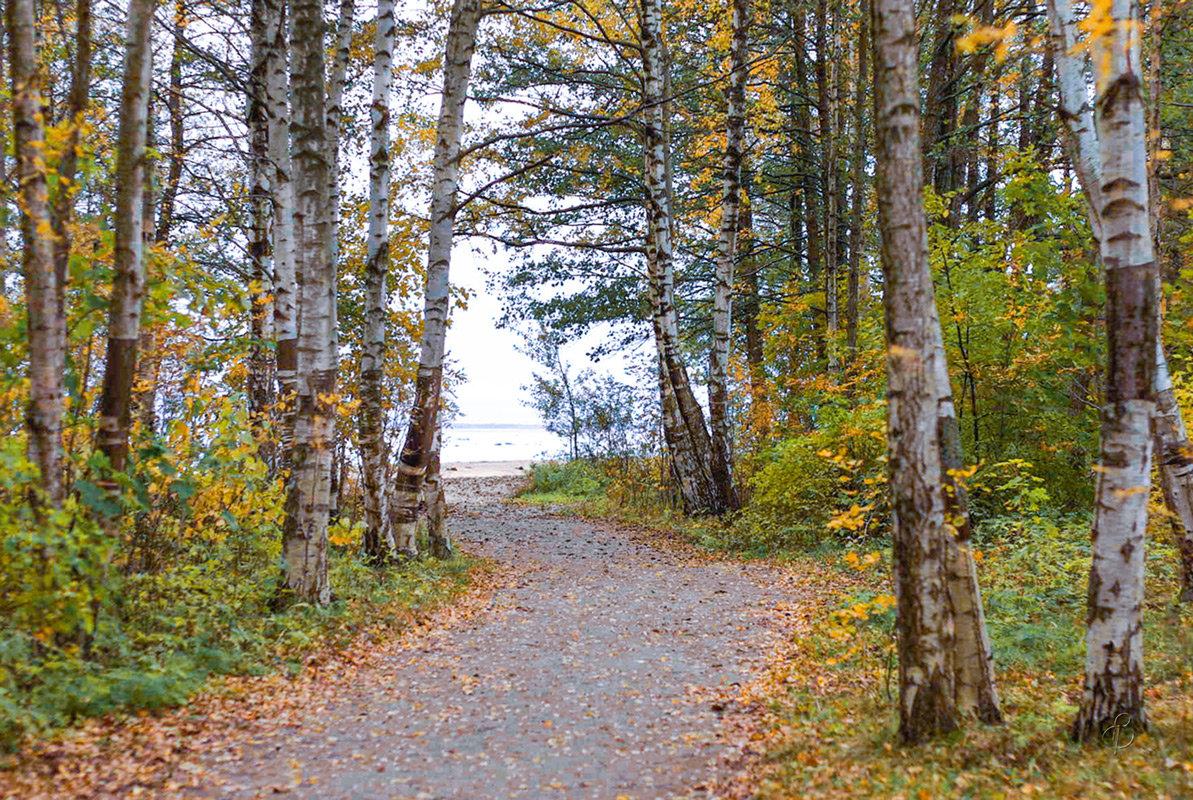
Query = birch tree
x=260 y=378
x=46 y=331
x=424 y=416
x=308 y=494
x=128 y=282
x=691 y=452
x=718 y=373
x=1083 y=146
x=378 y=541
x=1113 y=686
x=925 y=617
x=285 y=283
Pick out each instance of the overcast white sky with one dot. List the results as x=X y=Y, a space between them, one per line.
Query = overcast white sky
x=495 y=370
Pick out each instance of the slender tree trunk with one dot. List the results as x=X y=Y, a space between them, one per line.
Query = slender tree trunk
x=308 y=494
x=335 y=98
x=1113 y=686
x=424 y=416
x=128 y=283
x=46 y=330
x=1173 y=448
x=378 y=542
x=811 y=191
x=973 y=658
x=67 y=191
x=861 y=142
x=1076 y=111
x=335 y=110
x=718 y=373
x=1176 y=469
x=826 y=84
x=285 y=280
x=260 y=378
x=925 y=617
x=174 y=109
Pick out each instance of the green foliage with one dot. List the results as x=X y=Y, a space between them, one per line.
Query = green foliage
x=805 y=481
x=1020 y=310
x=89 y=625
x=554 y=481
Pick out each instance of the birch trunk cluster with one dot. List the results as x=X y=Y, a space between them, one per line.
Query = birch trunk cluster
x=424 y=416
x=727 y=254
x=689 y=443
x=308 y=491
x=378 y=540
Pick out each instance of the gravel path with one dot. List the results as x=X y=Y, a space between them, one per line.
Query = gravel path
x=602 y=671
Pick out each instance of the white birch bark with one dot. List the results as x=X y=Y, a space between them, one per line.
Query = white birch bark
x=416 y=453
x=260 y=382
x=1175 y=455
x=718 y=373
x=378 y=540
x=285 y=288
x=308 y=495
x=692 y=459
x=128 y=282
x=1113 y=686
x=335 y=111
x=973 y=657
x=1084 y=150
x=46 y=344
x=1076 y=109
x=925 y=618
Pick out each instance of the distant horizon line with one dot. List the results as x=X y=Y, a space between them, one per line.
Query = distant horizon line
x=528 y=426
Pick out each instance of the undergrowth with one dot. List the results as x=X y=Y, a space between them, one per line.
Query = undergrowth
x=831 y=687
x=568 y=483
x=93 y=622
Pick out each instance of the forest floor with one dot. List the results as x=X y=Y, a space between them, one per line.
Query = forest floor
x=596 y=660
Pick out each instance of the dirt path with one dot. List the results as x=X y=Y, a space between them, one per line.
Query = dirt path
x=602 y=671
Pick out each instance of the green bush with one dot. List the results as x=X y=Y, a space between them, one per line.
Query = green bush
x=88 y=626
x=804 y=482
x=569 y=480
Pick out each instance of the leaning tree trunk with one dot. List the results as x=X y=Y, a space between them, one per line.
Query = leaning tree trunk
x=285 y=280
x=1173 y=449
x=378 y=542
x=308 y=493
x=1113 y=686
x=424 y=416
x=693 y=459
x=718 y=372
x=46 y=346
x=128 y=281
x=973 y=658
x=925 y=617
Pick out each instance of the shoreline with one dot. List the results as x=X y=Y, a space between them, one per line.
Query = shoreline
x=484 y=469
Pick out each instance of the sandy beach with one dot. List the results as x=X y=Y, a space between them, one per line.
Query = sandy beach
x=485 y=469
x=470 y=482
